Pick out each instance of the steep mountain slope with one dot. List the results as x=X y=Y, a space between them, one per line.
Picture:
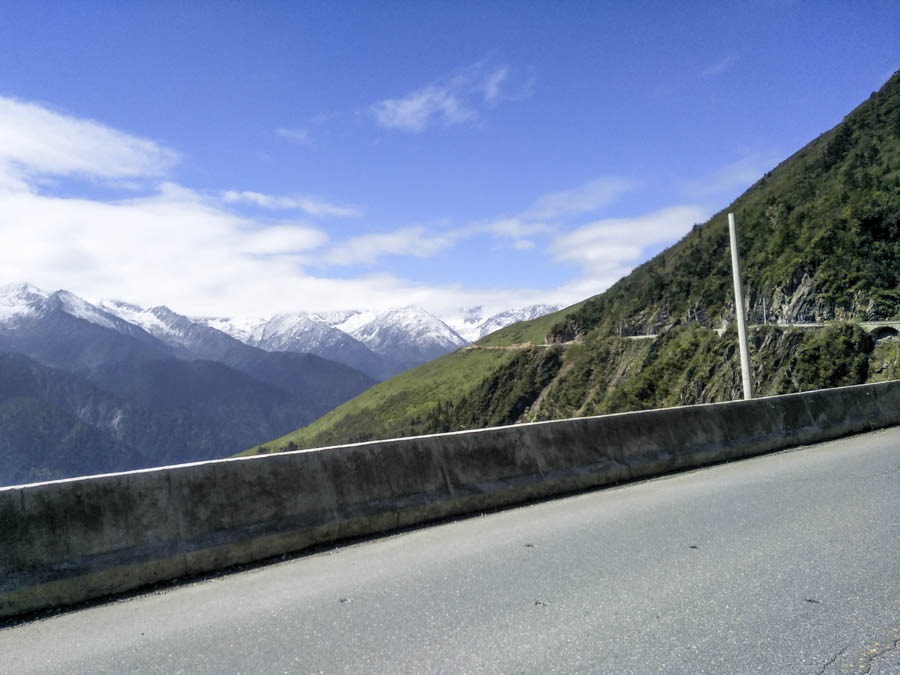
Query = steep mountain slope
x=819 y=238
x=62 y=443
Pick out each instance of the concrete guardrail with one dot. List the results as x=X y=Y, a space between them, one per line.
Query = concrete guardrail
x=67 y=541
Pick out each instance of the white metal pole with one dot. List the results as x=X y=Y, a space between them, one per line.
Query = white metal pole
x=739 y=310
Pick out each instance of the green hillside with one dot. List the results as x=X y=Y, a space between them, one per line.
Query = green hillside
x=819 y=237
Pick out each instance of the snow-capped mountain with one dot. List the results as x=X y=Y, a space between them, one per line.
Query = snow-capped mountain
x=406 y=335
x=380 y=344
x=60 y=327
x=19 y=300
x=303 y=332
x=238 y=328
x=472 y=324
x=115 y=386
x=185 y=335
x=467 y=320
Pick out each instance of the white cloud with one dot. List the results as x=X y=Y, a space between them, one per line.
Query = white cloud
x=173 y=247
x=35 y=141
x=586 y=198
x=491 y=86
x=721 y=66
x=367 y=248
x=606 y=247
x=197 y=253
x=300 y=136
x=451 y=101
x=515 y=228
x=413 y=112
x=283 y=239
x=311 y=205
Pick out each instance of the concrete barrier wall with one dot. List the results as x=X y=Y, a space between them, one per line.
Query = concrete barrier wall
x=67 y=541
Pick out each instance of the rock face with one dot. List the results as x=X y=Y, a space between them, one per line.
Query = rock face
x=805 y=305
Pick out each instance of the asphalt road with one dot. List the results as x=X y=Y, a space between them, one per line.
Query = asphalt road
x=788 y=563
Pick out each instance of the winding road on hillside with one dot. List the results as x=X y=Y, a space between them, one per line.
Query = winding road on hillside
x=786 y=563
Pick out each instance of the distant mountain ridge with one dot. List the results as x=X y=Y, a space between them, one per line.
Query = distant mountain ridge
x=149 y=386
x=379 y=343
x=113 y=386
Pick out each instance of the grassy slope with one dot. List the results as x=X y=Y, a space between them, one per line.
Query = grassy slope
x=405 y=404
x=397 y=406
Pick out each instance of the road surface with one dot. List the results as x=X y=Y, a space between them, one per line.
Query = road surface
x=788 y=563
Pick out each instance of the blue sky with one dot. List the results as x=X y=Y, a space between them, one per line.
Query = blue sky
x=240 y=158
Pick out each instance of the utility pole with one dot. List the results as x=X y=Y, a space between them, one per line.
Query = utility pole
x=739 y=310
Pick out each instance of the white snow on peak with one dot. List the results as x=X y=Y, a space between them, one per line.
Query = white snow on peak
x=352 y=321
x=240 y=328
x=82 y=309
x=337 y=317
x=156 y=321
x=389 y=331
x=126 y=311
x=471 y=323
x=17 y=300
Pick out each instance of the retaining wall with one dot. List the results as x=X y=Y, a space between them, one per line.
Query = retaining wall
x=67 y=541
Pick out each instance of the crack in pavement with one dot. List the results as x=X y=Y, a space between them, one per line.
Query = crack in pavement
x=868 y=657
x=834 y=658
x=871 y=654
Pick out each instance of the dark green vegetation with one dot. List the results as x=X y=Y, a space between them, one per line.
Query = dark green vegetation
x=819 y=238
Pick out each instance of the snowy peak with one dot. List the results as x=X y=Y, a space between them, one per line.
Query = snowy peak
x=378 y=343
x=305 y=332
x=406 y=335
x=176 y=330
x=19 y=300
x=147 y=319
x=81 y=309
x=504 y=319
x=473 y=325
x=239 y=329
x=296 y=331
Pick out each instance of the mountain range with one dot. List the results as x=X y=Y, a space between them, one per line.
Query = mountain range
x=819 y=239
x=379 y=343
x=111 y=386
x=83 y=389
